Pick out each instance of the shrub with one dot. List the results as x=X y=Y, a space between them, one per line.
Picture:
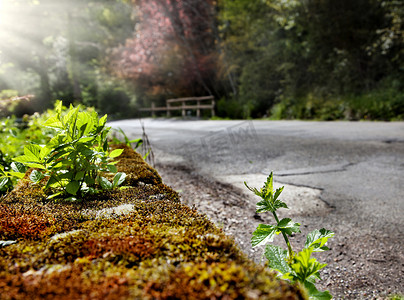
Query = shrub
x=73 y=161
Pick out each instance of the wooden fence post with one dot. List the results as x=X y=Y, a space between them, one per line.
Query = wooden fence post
x=213 y=108
x=168 y=110
x=152 y=109
x=183 y=109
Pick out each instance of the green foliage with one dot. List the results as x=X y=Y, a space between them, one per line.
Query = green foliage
x=16 y=135
x=296 y=267
x=384 y=103
x=73 y=161
x=298 y=60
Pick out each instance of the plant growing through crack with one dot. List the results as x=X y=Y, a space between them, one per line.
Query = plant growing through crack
x=73 y=162
x=298 y=267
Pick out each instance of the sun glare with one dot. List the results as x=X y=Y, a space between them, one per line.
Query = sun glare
x=6 y=15
x=1 y=12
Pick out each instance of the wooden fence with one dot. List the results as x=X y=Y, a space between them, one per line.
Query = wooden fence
x=184 y=105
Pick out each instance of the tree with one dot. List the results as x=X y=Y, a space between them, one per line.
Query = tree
x=63 y=43
x=314 y=48
x=173 y=49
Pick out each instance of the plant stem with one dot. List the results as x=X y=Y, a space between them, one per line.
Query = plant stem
x=285 y=237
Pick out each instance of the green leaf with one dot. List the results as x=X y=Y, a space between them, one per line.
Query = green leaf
x=33 y=151
x=263 y=234
x=52 y=182
x=17 y=174
x=71 y=117
x=267 y=205
x=63 y=164
x=102 y=121
x=54 y=195
x=58 y=141
x=147 y=154
x=53 y=122
x=278 y=192
x=115 y=153
x=89 y=181
x=72 y=187
x=86 y=151
x=87 y=139
x=105 y=145
x=36 y=176
x=24 y=159
x=105 y=183
x=3 y=182
x=119 y=178
x=254 y=190
x=18 y=167
x=280 y=204
x=138 y=142
x=268 y=187
x=305 y=266
x=314 y=294
x=84 y=122
x=317 y=239
x=79 y=175
x=13 y=133
x=277 y=258
x=66 y=175
x=288 y=226
x=35 y=165
x=112 y=168
x=44 y=152
x=264 y=206
x=58 y=106
x=27 y=161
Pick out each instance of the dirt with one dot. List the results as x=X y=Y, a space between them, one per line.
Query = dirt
x=361 y=264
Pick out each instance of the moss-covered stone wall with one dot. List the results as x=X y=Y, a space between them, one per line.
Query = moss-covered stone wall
x=136 y=242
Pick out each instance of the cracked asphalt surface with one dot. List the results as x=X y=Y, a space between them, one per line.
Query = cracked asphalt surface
x=358 y=167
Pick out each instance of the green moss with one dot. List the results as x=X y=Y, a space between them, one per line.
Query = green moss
x=136 y=169
x=227 y=280
x=134 y=242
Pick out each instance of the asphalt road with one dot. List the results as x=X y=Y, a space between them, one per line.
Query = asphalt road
x=358 y=166
x=344 y=176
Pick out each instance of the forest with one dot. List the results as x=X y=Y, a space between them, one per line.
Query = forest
x=275 y=59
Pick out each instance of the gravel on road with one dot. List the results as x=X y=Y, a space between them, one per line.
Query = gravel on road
x=361 y=264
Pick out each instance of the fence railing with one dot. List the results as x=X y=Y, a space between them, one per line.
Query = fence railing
x=184 y=104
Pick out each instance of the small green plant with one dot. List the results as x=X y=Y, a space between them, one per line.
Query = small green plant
x=297 y=267
x=72 y=163
x=138 y=142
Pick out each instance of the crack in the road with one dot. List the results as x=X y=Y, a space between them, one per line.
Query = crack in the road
x=315 y=170
x=393 y=141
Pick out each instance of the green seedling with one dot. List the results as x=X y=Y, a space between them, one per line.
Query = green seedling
x=298 y=267
x=72 y=163
x=137 y=142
